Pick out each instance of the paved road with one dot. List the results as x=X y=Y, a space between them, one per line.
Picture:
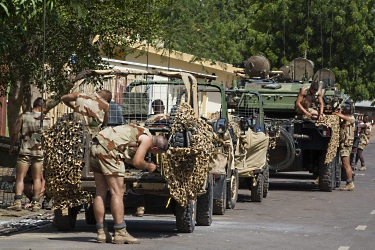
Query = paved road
x=295 y=215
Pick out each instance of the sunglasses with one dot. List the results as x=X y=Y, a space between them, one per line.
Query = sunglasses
x=161 y=148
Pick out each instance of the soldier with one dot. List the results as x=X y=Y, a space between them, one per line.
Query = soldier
x=346 y=143
x=91 y=109
x=158 y=108
x=364 y=137
x=307 y=102
x=29 y=125
x=110 y=147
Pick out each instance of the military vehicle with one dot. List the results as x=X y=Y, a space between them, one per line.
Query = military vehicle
x=207 y=184
x=250 y=140
x=301 y=145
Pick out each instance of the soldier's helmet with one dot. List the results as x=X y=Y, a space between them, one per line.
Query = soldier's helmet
x=347 y=108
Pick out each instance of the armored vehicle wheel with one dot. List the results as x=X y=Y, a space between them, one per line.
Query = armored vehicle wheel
x=266 y=184
x=257 y=190
x=66 y=222
x=220 y=195
x=89 y=215
x=205 y=204
x=327 y=174
x=185 y=217
x=232 y=189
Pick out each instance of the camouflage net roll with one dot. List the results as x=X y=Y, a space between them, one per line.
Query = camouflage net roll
x=333 y=122
x=186 y=168
x=63 y=164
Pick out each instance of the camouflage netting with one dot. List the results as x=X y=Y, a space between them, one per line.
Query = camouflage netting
x=333 y=122
x=63 y=164
x=186 y=168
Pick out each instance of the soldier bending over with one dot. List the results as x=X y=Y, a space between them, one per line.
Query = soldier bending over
x=110 y=147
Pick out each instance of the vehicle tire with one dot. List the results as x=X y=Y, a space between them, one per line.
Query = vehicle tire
x=266 y=184
x=232 y=189
x=220 y=200
x=181 y=139
x=205 y=204
x=89 y=215
x=257 y=190
x=327 y=174
x=66 y=222
x=185 y=217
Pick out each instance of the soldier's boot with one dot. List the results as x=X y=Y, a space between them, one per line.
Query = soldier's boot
x=17 y=205
x=123 y=237
x=140 y=211
x=316 y=181
x=103 y=235
x=45 y=203
x=35 y=206
x=348 y=187
x=363 y=168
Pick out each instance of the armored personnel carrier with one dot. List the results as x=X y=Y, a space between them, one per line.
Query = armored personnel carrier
x=300 y=145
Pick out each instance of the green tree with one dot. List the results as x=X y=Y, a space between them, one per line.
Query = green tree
x=77 y=34
x=335 y=34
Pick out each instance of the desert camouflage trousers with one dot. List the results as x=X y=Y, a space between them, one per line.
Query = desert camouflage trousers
x=106 y=162
x=363 y=141
x=345 y=150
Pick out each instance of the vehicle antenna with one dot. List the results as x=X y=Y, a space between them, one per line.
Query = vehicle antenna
x=169 y=42
x=330 y=42
x=321 y=39
x=284 y=40
x=43 y=62
x=307 y=28
x=148 y=28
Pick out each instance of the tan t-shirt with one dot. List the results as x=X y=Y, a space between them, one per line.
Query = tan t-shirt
x=31 y=143
x=90 y=109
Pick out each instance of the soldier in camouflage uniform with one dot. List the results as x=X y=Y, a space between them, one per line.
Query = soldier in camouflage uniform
x=110 y=148
x=364 y=137
x=91 y=109
x=347 y=123
x=29 y=125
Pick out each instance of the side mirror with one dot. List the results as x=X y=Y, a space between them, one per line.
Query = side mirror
x=221 y=126
x=244 y=124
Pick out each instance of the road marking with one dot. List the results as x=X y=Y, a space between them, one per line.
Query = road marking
x=372 y=212
x=361 y=227
x=343 y=248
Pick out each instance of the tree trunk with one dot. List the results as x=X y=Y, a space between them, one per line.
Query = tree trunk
x=17 y=98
